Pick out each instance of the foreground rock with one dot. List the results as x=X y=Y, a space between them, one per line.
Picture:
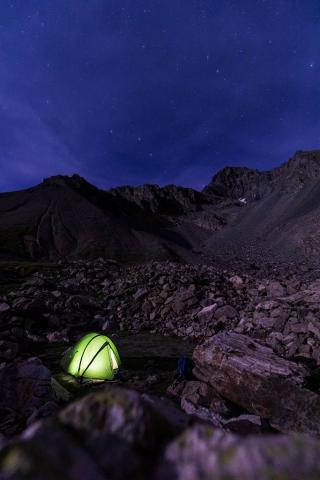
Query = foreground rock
x=252 y=376
x=117 y=434
x=114 y=434
x=48 y=451
x=203 y=453
x=137 y=420
x=25 y=393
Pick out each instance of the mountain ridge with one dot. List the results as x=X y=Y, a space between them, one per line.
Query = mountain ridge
x=237 y=181
x=66 y=216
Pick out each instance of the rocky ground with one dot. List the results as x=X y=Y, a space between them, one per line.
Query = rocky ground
x=248 y=408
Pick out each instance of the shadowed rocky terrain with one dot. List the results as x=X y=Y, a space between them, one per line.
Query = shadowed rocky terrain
x=242 y=215
x=226 y=279
x=66 y=217
x=280 y=215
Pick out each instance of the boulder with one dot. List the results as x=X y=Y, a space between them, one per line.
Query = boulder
x=136 y=419
x=25 y=386
x=254 y=377
x=48 y=451
x=113 y=433
x=204 y=453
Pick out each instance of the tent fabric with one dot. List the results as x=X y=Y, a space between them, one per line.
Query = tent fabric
x=94 y=356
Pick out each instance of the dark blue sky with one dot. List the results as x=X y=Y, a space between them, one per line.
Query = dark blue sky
x=158 y=91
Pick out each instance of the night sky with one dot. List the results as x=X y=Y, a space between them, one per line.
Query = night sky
x=158 y=91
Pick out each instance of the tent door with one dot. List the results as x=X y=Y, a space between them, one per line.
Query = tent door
x=115 y=365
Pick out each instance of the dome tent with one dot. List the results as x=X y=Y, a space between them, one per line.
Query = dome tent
x=95 y=356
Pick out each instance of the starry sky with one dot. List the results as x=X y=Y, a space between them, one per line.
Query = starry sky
x=158 y=91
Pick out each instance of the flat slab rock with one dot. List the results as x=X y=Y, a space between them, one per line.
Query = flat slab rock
x=254 y=377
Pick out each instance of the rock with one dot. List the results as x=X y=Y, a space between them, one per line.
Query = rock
x=10 y=421
x=114 y=434
x=4 y=307
x=236 y=281
x=245 y=424
x=207 y=312
x=266 y=322
x=201 y=412
x=202 y=394
x=133 y=418
x=140 y=294
x=110 y=324
x=267 y=305
x=315 y=329
x=60 y=337
x=175 y=389
x=203 y=453
x=226 y=311
x=252 y=376
x=24 y=305
x=45 y=410
x=171 y=415
x=48 y=451
x=60 y=393
x=8 y=350
x=52 y=319
x=275 y=290
x=178 y=306
x=81 y=301
x=25 y=386
x=152 y=379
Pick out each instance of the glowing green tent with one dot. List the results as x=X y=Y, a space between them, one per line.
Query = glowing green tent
x=94 y=356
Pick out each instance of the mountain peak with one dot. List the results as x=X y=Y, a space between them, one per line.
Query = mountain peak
x=308 y=162
x=65 y=181
x=307 y=155
x=239 y=182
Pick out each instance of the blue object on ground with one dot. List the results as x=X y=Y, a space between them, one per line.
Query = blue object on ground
x=182 y=368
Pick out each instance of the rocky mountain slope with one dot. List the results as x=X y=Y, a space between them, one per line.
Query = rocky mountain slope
x=242 y=182
x=68 y=217
x=242 y=215
x=280 y=214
